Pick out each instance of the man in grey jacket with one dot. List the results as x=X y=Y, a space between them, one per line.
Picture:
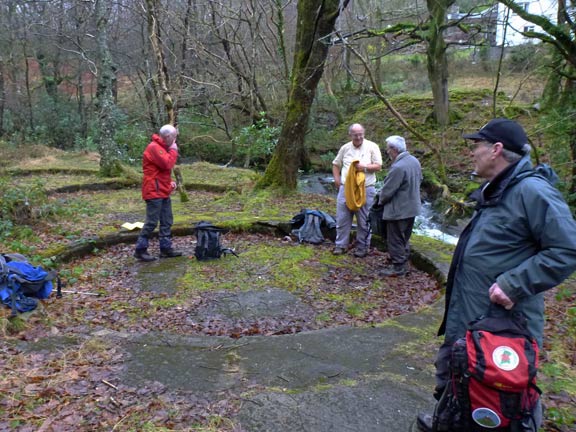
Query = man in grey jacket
x=400 y=196
x=520 y=242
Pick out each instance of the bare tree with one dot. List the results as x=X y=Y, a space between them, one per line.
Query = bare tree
x=316 y=19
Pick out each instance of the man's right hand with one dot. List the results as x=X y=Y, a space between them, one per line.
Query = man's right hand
x=499 y=297
x=174 y=146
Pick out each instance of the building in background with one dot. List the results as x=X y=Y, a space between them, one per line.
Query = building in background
x=513 y=32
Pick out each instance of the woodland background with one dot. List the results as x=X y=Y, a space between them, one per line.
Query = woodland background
x=269 y=85
x=273 y=84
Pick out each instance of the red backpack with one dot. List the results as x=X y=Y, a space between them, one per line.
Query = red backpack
x=493 y=378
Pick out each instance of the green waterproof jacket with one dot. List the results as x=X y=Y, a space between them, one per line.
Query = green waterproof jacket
x=523 y=237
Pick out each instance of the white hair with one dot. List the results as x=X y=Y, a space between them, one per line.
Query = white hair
x=167 y=130
x=355 y=126
x=510 y=156
x=397 y=143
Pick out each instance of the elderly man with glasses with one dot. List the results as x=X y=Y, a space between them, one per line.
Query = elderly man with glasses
x=363 y=156
x=520 y=242
x=400 y=197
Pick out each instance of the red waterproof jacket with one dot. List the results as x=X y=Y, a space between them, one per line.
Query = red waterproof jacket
x=157 y=164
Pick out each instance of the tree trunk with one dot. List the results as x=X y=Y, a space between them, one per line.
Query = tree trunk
x=29 y=102
x=2 y=96
x=436 y=59
x=316 y=19
x=107 y=147
x=553 y=85
x=163 y=76
x=82 y=106
x=163 y=80
x=499 y=69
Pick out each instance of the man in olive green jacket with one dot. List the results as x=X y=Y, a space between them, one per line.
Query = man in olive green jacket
x=520 y=242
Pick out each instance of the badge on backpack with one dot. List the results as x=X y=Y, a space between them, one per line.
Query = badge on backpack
x=485 y=417
x=505 y=358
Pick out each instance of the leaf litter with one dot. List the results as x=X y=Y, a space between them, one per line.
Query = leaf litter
x=76 y=387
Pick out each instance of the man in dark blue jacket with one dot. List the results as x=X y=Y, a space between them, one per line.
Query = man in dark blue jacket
x=520 y=242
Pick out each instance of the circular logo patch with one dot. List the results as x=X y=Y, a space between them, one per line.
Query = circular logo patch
x=505 y=358
x=485 y=417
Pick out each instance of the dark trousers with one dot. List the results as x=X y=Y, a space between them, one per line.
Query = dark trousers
x=157 y=210
x=398 y=234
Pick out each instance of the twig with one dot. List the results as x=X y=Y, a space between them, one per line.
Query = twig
x=216 y=348
x=218 y=369
x=110 y=384
x=82 y=292
x=118 y=424
x=219 y=347
x=236 y=346
x=253 y=401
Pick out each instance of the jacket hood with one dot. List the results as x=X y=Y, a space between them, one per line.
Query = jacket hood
x=158 y=139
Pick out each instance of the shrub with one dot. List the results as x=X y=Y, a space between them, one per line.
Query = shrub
x=24 y=204
x=256 y=143
x=133 y=139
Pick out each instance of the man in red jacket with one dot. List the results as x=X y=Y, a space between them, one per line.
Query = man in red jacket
x=157 y=162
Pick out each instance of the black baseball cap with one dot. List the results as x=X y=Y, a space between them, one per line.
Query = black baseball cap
x=502 y=130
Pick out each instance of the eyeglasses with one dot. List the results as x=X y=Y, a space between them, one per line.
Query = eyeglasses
x=357 y=135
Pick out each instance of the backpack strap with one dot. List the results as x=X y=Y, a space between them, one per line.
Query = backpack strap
x=226 y=251
x=15 y=257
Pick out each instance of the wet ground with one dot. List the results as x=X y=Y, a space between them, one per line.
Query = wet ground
x=341 y=379
x=337 y=379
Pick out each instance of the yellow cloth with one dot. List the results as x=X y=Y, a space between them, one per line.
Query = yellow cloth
x=354 y=189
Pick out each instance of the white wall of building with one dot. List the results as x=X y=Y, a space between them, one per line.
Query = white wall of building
x=516 y=25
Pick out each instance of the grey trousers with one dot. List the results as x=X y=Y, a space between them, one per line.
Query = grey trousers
x=157 y=210
x=344 y=219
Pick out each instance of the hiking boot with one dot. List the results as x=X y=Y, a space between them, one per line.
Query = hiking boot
x=169 y=253
x=394 y=271
x=424 y=422
x=360 y=253
x=143 y=255
x=338 y=251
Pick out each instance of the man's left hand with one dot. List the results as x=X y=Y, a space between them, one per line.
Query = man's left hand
x=499 y=297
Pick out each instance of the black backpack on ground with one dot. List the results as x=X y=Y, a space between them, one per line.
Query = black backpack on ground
x=311 y=226
x=208 y=244
x=493 y=378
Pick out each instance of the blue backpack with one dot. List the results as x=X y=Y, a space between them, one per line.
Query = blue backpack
x=22 y=284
